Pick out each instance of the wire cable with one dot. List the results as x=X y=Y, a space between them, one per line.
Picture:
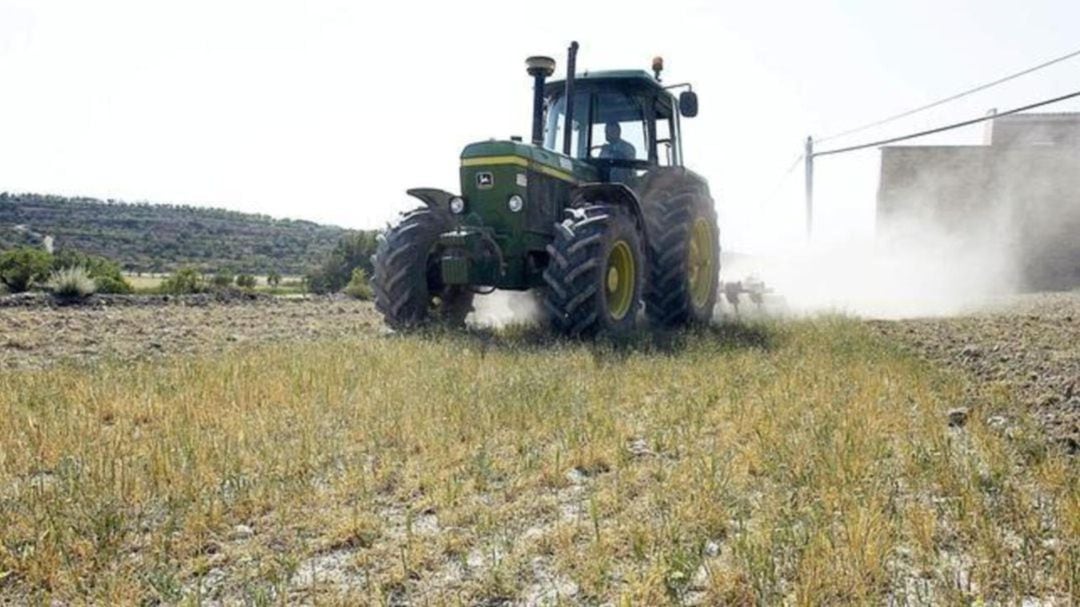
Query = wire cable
x=950 y=127
x=782 y=181
x=951 y=98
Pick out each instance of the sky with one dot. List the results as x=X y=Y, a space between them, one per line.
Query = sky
x=330 y=110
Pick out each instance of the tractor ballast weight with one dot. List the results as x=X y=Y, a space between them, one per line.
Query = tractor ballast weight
x=596 y=211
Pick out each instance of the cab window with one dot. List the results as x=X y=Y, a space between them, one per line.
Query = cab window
x=666 y=153
x=556 y=121
x=619 y=129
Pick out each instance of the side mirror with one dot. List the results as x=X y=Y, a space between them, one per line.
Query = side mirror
x=688 y=104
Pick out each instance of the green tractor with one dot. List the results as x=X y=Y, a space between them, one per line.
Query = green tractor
x=596 y=213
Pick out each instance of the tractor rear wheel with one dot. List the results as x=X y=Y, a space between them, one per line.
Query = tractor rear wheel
x=595 y=274
x=408 y=282
x=684 y=260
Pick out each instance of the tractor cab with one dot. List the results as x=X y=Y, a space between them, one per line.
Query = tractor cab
x=623 y=122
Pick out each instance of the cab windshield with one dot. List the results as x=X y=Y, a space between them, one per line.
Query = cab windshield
x=609 y=124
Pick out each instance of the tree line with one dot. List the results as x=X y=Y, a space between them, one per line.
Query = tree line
x=143 y=237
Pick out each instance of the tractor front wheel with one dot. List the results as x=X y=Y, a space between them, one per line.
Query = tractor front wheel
x=408 y=283
x=595 y=273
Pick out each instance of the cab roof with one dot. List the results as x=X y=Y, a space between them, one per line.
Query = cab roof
x=637 y=78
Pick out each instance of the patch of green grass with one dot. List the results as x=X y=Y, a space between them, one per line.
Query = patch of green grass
x=145 y=283
x=806 y=462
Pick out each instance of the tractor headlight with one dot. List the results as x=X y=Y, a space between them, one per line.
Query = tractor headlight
x=515 y=203
x=457 y=205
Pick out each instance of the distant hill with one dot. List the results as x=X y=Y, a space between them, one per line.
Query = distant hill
x=146 y=237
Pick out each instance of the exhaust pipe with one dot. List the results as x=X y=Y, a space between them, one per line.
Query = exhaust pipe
x=539 y=68
x=571 y=65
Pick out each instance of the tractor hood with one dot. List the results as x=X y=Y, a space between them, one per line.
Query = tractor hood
x=526 y=156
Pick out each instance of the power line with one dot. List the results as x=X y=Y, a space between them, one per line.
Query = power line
x=782 y=180
x=946 y=128
x=952 y=97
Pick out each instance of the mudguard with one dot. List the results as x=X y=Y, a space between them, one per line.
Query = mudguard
x=433 y=197
x=611 y=193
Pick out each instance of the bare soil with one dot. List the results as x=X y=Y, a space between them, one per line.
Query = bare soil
x=1029 y=345
x=36 y=332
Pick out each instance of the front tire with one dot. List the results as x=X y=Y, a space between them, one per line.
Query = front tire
x=684 y=256
x=408 y=283
x=595 y=273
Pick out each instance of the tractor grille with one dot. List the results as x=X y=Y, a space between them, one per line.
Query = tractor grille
x=546 y=197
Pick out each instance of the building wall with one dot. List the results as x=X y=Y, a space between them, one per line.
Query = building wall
x=1040 y=130
x=1018 y=202
x=940 y=186
x=1042 y=186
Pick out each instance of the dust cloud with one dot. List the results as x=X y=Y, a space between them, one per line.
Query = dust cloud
x=913 y=266
x=502 y=308
x=879 y=279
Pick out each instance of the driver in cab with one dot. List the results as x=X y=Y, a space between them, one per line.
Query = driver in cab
x=617 y=149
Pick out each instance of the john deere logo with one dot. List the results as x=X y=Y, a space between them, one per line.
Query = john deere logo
x=485 y=180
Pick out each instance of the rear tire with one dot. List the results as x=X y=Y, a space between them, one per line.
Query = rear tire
x=595 y=273
x=684 y=260
x=408 y=283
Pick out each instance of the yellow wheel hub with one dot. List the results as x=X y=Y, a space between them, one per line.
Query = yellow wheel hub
x=701 y=264
x=620 y=280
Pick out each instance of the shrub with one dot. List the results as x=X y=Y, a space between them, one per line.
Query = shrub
x=222 y=279
x=245 y=281
x=72 y=283
x=111 y=284
x=22 y=267
x=105 y=272
x=273 y=279
x=359 y=286
x=184 y=280
x=354 y=250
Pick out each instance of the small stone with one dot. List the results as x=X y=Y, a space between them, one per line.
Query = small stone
x=576 y=476
x=958 y=417
x=533 y=534
x=712 y=548
x=213 y=578
x=639 y=448
x=241 y=532
x=971 y=351
x=997 y=422
x=700 y=580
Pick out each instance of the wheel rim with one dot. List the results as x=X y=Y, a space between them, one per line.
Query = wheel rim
x=619 y=280
x=702 y=272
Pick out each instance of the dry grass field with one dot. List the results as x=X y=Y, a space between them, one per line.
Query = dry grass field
x=804 y=462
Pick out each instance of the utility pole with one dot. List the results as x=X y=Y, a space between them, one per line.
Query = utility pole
x=809 y=157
